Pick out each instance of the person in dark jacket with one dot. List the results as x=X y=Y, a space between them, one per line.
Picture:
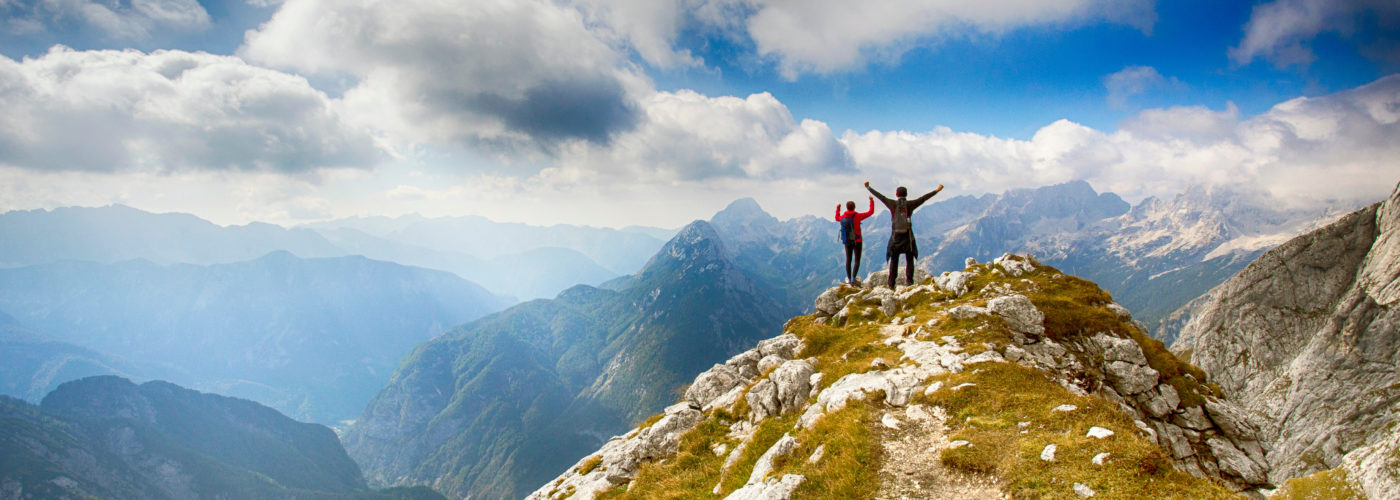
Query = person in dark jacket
x=901 y=230
x=854 y=242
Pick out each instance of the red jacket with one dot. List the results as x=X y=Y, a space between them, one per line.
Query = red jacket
x=859 y=216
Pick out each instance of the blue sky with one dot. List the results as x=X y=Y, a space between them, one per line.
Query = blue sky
x=615 y=112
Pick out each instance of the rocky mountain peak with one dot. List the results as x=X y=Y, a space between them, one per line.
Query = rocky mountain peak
x=1306 y=338
x=936 y=389
x=697 y=245
x=745 y=221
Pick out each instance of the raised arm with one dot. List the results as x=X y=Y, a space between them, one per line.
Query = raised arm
x=838 y=212
x=870 y=212
x=920 y=201
x=877 y=194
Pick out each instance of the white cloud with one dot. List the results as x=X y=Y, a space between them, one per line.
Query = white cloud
x=1336 y=147
x=648 y=26
x=687 y=136
x=1134 y=80
x=827 y=36
x=514 y=76
x=1279 y=31
x=167 y=111
x=133 y=20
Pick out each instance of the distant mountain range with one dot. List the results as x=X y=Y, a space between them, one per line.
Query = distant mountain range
x=315 y=338
x=496 y=406
x=105 y=437
x=515 y=260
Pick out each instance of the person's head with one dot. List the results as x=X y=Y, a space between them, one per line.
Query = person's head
x=901 y=192
x=850 y=205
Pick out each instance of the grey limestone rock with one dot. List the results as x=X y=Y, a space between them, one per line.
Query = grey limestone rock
x=772 y=489
x=830 y=302
x=712 y=384
x=953 y=282
x=785 y=346
x=966 y=312
x=1131 y=378
x=1014 y=265
x=1376 y=468
x=1307 y=340
x=764 y=465
x=1019 y=313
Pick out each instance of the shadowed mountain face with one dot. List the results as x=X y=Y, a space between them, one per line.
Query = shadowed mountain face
x=495 y=407
x=313 y=337
x=105 y=437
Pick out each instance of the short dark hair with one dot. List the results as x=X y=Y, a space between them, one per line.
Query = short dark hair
x=901 y=192
x=850 y=205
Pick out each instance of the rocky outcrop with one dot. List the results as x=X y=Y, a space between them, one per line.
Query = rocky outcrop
x=1208 y=437
x=1307 y=337
x=770 y=393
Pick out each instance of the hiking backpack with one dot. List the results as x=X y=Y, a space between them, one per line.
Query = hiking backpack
x=848 y=230
x=899 y=217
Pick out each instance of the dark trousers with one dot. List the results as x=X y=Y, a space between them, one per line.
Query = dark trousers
x=908 y=268
x=853 y=265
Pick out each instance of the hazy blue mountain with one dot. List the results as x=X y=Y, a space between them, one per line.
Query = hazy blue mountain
x=315 y=338
x=118 y=233
x=495 y=407
x=105 y=437
x=540 y=272
x=34 y=365
x=620 y=251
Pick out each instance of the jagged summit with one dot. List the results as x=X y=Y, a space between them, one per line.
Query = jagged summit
x=1308 y=337
x=1007 y=379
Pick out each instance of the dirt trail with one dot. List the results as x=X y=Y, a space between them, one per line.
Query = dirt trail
x=912 y=468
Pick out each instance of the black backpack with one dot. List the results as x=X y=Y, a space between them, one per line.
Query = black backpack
x=899 y=217
x=848 y=230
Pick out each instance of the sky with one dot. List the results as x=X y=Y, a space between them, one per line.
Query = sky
x=659 y=112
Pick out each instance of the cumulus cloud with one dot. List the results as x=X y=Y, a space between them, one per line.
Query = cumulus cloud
x=1335 y=147
x=686 y=136
x=167 y=111
x=1134 y=80
x=133 y=20
x=1280 y=31
x=514 y=76
x=827 y=36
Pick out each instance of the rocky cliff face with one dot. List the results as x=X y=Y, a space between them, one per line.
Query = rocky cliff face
x=1004 y=379
x=1308 y=338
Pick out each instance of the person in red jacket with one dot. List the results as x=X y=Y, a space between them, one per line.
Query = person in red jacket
x=850 y=223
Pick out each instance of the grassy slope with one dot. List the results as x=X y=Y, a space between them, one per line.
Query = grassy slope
x=989 y=414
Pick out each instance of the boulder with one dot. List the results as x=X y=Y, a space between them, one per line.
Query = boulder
x=1019 y=314
x=1235 y=462
x=966 y=312
x=1014 y=265
x=830 y=302
x=1120 y=349
x=793 y=381
x=712 y=384
x=764 y=465
x=1131 y=378
x=785 y=346
x=953 y=282
x=772 y=489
